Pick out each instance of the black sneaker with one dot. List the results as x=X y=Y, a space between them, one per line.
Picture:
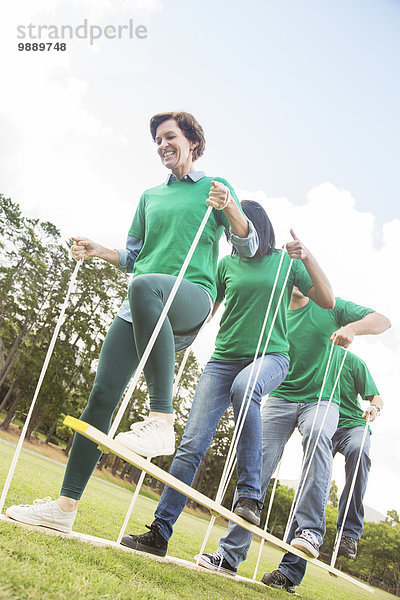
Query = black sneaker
x=249 y=509
x=216 y=562
x=348 y=547
x=279 y=581
x=152 y=541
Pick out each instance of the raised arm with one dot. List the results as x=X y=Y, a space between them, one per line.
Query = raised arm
x=321 y=292
x=373 y=323
x=220 y=198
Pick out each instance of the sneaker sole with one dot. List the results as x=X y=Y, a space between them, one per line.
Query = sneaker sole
x=247 y=516
x=207 y=565
x=305 y=547
x=279 y=587
x=275 y=586
x=129 y=543
x=27 y=521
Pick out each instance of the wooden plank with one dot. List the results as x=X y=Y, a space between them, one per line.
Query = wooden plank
x=112 y=445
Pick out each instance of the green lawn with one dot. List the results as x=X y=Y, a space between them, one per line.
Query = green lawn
x=33 y=565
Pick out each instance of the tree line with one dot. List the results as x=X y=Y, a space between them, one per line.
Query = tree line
x=35 y=270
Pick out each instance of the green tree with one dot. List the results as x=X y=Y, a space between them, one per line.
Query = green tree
x=35 y=272
x=392 y=517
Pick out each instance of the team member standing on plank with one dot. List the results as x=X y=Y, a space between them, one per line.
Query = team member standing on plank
x=163 y=228
x=294 y=403
x=355 y=379
x=246 y=285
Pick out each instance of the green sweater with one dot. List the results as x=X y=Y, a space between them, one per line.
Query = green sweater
x=355 y=380
x=246 y=285
x=310 y=329
x=167 y=219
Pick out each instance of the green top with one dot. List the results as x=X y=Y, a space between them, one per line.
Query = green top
x=167 y=220
x=355 y=379
x=246 y=284
x=309 y=331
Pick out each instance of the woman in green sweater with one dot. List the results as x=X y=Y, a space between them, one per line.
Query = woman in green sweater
x=163 y=228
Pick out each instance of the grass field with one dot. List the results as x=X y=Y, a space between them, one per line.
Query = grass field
x=33 y=565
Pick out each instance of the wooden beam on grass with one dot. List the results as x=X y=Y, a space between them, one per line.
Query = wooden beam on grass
x=107 y=443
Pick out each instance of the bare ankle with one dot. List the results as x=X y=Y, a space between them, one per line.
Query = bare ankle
x=168 y=418
x=67 y=504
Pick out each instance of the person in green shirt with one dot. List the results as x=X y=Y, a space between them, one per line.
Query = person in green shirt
x=246 y=285
x=355 y=380
x=311 y=331
x=163 y=228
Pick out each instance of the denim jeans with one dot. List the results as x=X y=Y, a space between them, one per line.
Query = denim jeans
x=347 y=441
x=279 y=419
x=222 y=383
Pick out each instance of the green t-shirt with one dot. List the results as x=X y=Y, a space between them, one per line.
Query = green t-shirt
x=246 y=284
x=167 y=220
x=309 y=332
x=355 y=379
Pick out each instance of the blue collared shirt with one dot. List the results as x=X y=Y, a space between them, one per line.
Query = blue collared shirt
x=245 y=246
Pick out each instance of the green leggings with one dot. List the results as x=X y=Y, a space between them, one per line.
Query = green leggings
x=123 y=346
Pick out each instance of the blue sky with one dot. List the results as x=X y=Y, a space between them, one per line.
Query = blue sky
x=294 y=93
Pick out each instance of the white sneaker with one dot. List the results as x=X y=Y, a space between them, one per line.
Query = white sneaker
x=149 y=438
x=43 y=512
x=307 y=542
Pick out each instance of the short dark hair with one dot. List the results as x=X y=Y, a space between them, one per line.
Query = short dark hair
x=266 y=235
x=190 y=127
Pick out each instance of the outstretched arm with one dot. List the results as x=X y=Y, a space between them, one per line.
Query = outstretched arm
x=321 y=292
x=373 y=323
x=83 y=248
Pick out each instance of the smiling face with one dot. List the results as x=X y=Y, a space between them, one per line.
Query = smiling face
x=174 y=149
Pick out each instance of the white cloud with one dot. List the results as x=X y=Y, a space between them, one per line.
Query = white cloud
x=59 y=158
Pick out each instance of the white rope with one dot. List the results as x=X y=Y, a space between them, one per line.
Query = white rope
x=182 y=366
x=243 y=413
x=143 y=473
x=233 y=455
x=246 y=400
x=38 y=386
x=175 y=391
x=353 y=483
x=188 y=350
x=213 y=518
x=132 y=505
x=158 y=326
x=208 y=532
x=304 y=478
x=290 y=518
x=271 y=501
